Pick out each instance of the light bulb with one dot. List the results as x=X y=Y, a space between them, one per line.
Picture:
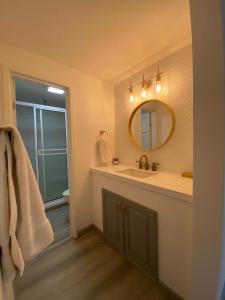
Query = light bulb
x=143 y=93
x=158 y=82
x=131 y=98
x=131 y=92
x=158 y=86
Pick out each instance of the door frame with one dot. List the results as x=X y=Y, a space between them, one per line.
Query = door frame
x=70 y=160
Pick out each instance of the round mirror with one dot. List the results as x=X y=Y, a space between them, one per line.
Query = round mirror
x=151 y=125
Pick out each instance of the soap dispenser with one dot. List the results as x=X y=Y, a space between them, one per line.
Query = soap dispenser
x=154 y=166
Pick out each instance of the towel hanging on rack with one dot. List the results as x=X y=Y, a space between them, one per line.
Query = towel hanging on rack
x=104 y=147
x=20 y=196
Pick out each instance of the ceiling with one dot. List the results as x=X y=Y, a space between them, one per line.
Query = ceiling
x=35 y=92
x=102 y=38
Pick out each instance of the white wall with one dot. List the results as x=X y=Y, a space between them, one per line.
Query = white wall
x=209 y=142
x=221 y=289
x=176 y=155
x=91 y=108
x=1 y=91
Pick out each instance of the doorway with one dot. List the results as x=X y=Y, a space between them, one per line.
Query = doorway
x=148 y=128
x=42 y=121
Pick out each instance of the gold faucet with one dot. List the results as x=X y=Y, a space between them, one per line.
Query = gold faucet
x=143 y=165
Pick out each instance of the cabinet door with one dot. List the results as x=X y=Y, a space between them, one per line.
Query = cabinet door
x=140 y=229
x=113 y=219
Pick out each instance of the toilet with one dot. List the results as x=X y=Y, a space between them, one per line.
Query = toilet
x=66 y=196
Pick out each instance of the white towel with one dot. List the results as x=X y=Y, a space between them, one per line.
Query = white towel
x=104 y=148
x=22 y=215
x=7 y=268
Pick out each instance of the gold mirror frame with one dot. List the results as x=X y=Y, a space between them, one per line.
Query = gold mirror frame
x=131 y=119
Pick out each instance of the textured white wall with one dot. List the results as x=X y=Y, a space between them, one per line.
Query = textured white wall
x=1 y=91
x=221 y=289
x=177 y=155
x=90 y=109
x=208 y=30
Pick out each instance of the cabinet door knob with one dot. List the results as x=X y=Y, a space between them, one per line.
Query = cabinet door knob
x=119 y=206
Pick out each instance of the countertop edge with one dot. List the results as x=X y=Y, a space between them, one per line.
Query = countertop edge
x=160 y=190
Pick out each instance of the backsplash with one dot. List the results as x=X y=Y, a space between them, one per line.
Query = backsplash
x=177 y=155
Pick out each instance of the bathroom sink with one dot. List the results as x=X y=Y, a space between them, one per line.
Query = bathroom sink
x=137 y=173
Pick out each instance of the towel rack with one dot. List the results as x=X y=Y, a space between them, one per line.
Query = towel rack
x=103 y=132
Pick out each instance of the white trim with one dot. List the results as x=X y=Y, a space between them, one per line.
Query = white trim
x=30 y=78
x=36 y=144
x=43 y=161
x=66 y=137
x=152 y=59
x=9 y=116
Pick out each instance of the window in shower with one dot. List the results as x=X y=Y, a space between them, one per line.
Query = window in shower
x=41 y=120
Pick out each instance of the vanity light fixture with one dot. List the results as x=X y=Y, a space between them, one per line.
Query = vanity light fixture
x=55 y=90
x=146 y=85
x=131 y=92
x=158 y=82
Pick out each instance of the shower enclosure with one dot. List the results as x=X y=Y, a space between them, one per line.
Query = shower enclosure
x=44 y=132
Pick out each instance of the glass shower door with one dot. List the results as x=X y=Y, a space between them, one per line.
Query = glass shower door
x=43 y=130
x=28 y=132
x=52 y=153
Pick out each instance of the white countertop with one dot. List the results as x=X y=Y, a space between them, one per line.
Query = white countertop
x=170 y=184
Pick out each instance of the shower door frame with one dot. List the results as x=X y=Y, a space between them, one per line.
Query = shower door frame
x=10 y=73
x=41 y=152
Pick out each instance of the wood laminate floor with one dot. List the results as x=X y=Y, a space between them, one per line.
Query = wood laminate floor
x=59 y=219
x=84 y=269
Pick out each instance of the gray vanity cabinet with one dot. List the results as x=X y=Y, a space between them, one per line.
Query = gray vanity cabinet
x=140 y=237
x=113 y=219
x=132 y=229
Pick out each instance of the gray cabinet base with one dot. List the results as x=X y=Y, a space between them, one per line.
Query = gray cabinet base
x=132 y=230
